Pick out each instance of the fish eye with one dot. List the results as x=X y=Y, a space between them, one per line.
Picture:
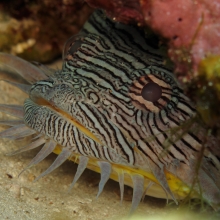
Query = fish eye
x=72 y=44
x=151 y=92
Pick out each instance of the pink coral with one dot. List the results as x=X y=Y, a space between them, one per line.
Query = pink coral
x=192 y=27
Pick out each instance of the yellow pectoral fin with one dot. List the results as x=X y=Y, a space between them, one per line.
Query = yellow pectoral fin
x=178 y=187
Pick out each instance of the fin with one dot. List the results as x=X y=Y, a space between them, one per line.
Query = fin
x=105 y=174
x=37 y=136
x=145 y=191
x=44 y=152
x=13 y=110
x=23 y=87
x=158 y=171
x=11 y=122
x=138 y=190
x=10 y=63
x=61 y=158
x=22 y=134
x=121 y=184
x=30 y=146
x=209 y=189
x=14 y=131
x=160 y=175
x=83 y=161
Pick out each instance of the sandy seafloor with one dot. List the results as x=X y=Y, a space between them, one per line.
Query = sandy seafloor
x=48 y=198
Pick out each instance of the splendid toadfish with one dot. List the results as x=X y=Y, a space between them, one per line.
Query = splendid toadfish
x=115 y=108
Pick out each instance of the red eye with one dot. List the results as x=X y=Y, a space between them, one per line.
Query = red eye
x=151 y=92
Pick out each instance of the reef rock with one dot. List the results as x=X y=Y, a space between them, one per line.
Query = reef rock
x=191 y=27
x=37 y=30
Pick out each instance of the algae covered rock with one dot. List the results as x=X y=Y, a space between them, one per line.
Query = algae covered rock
x=37 y=30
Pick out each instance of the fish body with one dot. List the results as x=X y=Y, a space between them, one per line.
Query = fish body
x=117 y=109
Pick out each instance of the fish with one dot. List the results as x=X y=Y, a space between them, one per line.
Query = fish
x=116 y=108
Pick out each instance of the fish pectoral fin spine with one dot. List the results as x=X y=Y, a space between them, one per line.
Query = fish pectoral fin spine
x=83 y=161
x=13 y=110
x=121 y=184
x=61 y=158
x=160 y=175
x=138 y=190
x=106 y=169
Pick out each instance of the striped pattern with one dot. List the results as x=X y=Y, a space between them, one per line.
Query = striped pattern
x=105 y=68
x=46 y=121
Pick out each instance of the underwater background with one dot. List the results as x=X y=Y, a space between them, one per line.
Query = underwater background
x=37 y=30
